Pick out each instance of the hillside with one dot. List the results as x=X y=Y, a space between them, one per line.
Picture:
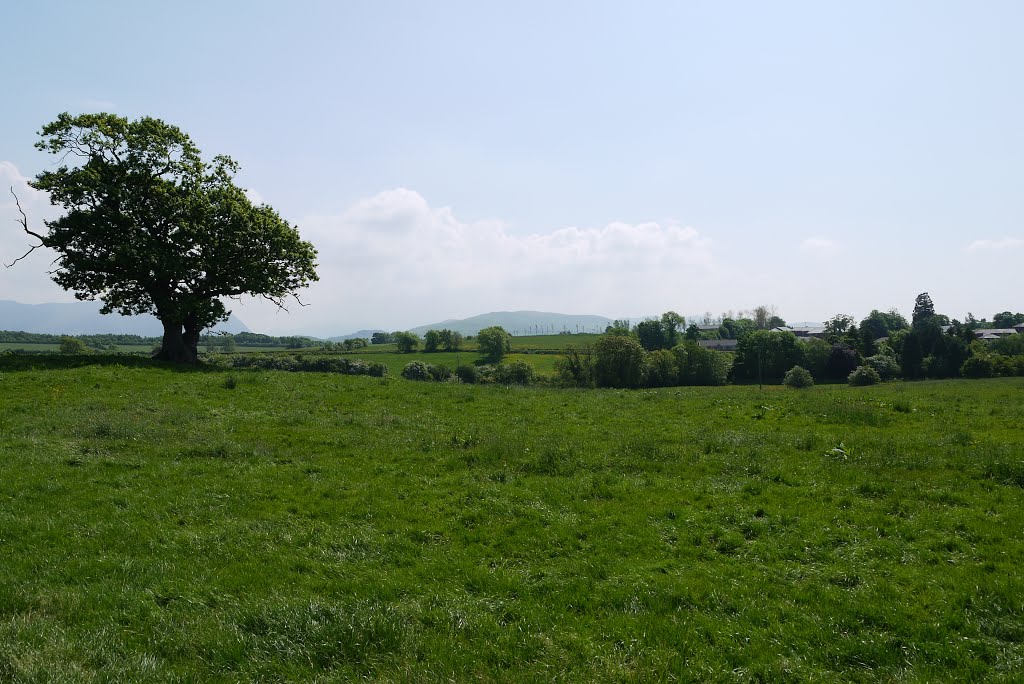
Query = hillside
x=84 y=318
x=521 y=323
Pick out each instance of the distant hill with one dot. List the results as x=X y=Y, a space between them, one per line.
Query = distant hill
x=84 y=318
x=521 y=323
x=367 y=334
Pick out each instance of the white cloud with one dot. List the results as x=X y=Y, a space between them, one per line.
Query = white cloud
x=820 y=246
x=1005 y=243
x=392 y=260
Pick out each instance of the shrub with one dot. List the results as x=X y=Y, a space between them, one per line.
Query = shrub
x=416 y=370
x=72 y=345
x=864 y=375
x=661 y=370
x=576 y=367
x=515 y=373
x=980 y=366
x=468 y=374
x=886 y=365
x=440 y=372
x=798 y=378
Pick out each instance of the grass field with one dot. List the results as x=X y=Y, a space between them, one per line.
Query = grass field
x=165 y=525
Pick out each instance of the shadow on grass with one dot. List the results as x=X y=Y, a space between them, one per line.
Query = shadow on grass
x=28 y=362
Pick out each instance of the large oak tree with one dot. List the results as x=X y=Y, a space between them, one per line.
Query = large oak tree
x=150 y=228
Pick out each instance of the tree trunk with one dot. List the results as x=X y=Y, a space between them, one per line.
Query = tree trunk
x=175 y=347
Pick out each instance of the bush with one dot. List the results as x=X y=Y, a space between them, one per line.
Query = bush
x=468 y=374
x=864 y=375
x=980 y=366
x=798 y=378
x=416 y=370
x=886 y=366
x=440 y=372
x=515 y=373
x=661 y=369
x=72 y=345
x=576 y=367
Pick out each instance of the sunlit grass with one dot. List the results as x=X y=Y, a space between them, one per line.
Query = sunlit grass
x=239 y=525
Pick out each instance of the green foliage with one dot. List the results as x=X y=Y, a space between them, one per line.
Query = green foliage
x=493 y=343
x=978 y=366
x=618 y=327
x=381 y=337
x=701 y=367
x=416 y=370
x=864 y=375
x=72 y=345
x=618 y=361
x=437 y=340
x=468 y=374
x=650 y=334
x=405 y=341
x=1012 y=345
x=1007 y=319
x=300 y=363
x=767 y=354
x=798 y=378
x=842 y=360
x=661 y=369
x=924 y=309
x=150 y=228
x=575 y=368
x=815 y=353
x=837 y=326
x=514 y=373
x=884 y=364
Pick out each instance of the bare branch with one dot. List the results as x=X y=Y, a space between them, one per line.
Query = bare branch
x=24 y=226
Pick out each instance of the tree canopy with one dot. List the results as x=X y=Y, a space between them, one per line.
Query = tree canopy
x=150 y=228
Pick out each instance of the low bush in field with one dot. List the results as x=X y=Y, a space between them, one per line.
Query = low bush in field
x=299 y=362
x=515 y=373
x=416 y=370
x=864 y=375
x=468 y=374
x=798 y=378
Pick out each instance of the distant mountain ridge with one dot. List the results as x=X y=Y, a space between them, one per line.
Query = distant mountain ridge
x=521 y=323
x=84 y=318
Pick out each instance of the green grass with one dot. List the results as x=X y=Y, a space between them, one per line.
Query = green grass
x=165 y=525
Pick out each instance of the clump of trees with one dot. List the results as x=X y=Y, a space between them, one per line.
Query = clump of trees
x=442 y=340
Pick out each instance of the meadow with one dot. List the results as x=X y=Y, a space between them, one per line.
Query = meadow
x=159 y=524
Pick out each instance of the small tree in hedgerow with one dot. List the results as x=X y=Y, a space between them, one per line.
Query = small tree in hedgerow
x=406 y=341
x=493 y=343
x=618 y=361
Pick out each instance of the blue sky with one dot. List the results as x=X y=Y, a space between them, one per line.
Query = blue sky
x=454 y=158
